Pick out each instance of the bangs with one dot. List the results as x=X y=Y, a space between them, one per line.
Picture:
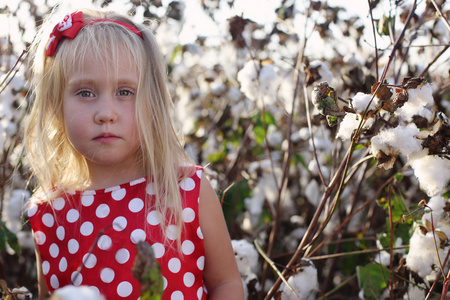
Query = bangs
x=106 y=42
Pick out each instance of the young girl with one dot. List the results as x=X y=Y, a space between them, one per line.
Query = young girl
x=111 y=171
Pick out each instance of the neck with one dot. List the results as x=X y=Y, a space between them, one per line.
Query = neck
x=102 y=176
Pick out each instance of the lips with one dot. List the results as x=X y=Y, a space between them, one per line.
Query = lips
x=106 y=137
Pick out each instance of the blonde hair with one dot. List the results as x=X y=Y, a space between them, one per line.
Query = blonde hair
x=54 y=161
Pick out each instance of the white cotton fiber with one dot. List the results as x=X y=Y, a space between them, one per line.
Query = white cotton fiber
x=350 y=123
x=71 y=292
x=401 y=138
x=433 y=172
x=360 y=102
x=304 y=283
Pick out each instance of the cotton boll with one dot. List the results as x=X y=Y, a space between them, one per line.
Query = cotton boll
x=268 y=83
x=25 y=240
x=360 y=102
x=304 y=283
x=274 y=137
x=401 y=138
x=436 y=205
x=71 y=292
x=246 y=256
x=415 y=292
x=419 y=99
x=248 y=77
x=312 y=193
x=422 y=253
x=13 y=209
x=22 y=293
x=350 y=123
x=324 y=71
x=433 y=172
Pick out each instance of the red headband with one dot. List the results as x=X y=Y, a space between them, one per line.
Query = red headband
x=70 y=27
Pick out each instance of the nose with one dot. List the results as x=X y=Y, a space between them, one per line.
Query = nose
x=106 y=111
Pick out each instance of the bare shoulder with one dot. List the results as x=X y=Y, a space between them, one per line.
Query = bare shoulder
x=221 y=274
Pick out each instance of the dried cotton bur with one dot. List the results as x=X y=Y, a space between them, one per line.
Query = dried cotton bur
x=146 y=269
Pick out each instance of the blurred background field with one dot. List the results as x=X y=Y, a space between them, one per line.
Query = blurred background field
x=344 y=192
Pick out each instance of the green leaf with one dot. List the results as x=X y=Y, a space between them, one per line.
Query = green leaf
x=7 y=237
x=233 y=200
x=372 y=279
x=298 y=158
x=399 y=177
x=359 y=147
x=261 y=124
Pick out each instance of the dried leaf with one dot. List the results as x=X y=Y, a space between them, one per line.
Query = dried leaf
x=385 y=161
x=401 y=98
x=442 y=236
x=413 y=82
x=384 y=92
x=237 y=25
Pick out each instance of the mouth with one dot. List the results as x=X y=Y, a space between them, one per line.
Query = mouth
x=106 y=137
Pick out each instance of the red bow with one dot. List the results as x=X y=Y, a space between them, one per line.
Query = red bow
x=69 y=27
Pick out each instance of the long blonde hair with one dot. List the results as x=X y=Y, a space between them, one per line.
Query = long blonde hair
x=54 y=161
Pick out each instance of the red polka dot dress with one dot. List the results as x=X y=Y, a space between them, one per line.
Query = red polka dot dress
x=89 y=238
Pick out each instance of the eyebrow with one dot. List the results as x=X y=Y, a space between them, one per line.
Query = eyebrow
x=76 y=81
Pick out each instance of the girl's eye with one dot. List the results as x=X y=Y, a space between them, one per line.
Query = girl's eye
x=85 y=94
x=124 y=93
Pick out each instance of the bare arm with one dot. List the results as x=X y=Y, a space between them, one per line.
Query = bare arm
x=42 y=286
x=221 y=274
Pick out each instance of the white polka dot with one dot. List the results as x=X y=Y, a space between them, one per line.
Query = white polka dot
x=40 y=237
x=200 y=293
x=201 y=262
x=177 y=295
x=199 y=233
x=174 y=265
x=188 y=279
x=124 y=289
x=164 y=283
x=59 y=203
x=102 y=211
x=150 y=188
x=118 y=194
x=32 y=210
x=188 y=184
x=107 y=275
x=119 y=223
x=137 y=235
x=199 y=173
x=171 y=232
x=63 y=264
x=122 y=256
x=76 y=278
x=136 y=205
x=89 y=260
x=54 y=250
x=73 y=246
x=60 y=233
x=48 y=220
x=87 y=200
x=153 y=218
x=158 y=249
x=104 y=242
x=72 y=215
x=86 y=228
x=45 y=267
x=54 y=282
x=188 y=215
x=187 y=247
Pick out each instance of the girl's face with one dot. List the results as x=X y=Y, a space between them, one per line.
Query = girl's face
x=99 y=113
